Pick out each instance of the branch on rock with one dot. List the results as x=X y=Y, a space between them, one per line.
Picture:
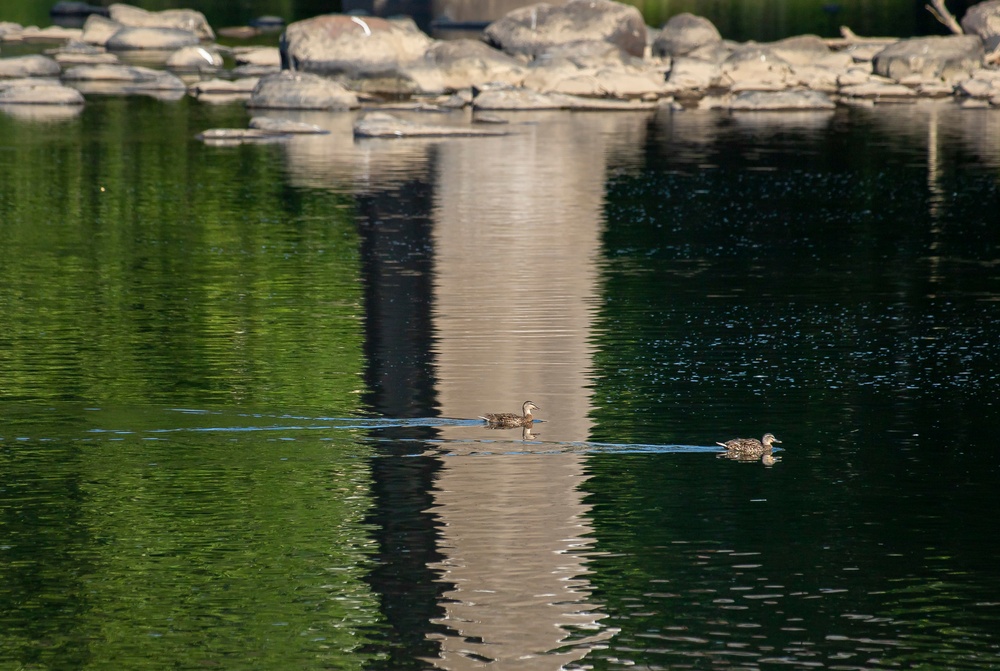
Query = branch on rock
x=941 y=13
x=849 y=38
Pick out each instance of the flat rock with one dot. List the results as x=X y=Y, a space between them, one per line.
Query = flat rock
x=236 y=136
x=382 y=124
x=878 y=91
x=50 y=34
x=533 y=29
x=983 y=19
x=800 y=99
x=234 y=87
x=133 y=75
x=687 y=35
x=757 y=68
x=809 y=51
x=336 y=44
x=300 y=90
x=453 y=65
x=266 y=56
x=520 y=98
x=29 y=66
x=41 y=94
x=272 y=125
x=948 y=57
x=131 y=39
x=694 y=75
x=189 y=20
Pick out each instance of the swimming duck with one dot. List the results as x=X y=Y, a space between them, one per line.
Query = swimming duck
x=509 y=420
x=750 y=447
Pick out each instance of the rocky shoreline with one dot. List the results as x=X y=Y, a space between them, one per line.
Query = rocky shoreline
x=584 y=55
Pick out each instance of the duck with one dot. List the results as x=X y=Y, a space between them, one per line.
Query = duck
x=509 y=420
x=750 y=447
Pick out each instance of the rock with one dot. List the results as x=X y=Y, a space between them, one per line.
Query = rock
x=453 y=65
x=239 y=87
x=254 y=70
x=519 y=98
x=983 y=19
x=816 y=78
x=687 y=35
x=300 y=90
x=809 y=51
x=235 y=136
x=382 y=124
x=878 y=91
x=694 y=75
x=98 y=29
x=799 y=99
x=982 y=84
x=50 y=34
x=29 y=66
x=194 y=59
x=165 y=39
x=42 y=94
x=755 y=68
x=354 y=46
x=268 y=56
x=133 y=75
x=950 y=57
x=189 y=20
x=285 y=126
x=595 y=69
x=531 y=30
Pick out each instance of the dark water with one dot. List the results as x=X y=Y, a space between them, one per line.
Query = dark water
x=238 y=390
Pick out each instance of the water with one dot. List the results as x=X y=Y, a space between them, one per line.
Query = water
x=238 y=391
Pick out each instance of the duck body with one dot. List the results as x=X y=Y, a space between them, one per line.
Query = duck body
x=750 y=447
x=510 y=420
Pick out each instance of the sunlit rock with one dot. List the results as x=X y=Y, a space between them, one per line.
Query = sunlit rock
x=194 y=58
x=265 y=56
x=46 y=93
x=29 y=66
x=454 y=65
x=231 y=87
x=878 y=91
x=98 y=29
x=166 y=39
x=983 y=19
x=810 y=51
x=122 y=78
x=982 y=84
x=352 y=46
x=274 y=125
x=949 y=57
x=50 y=34
x=531 y=30
x=188 y=20
x=383 y=124
x=694 y=75
x=755 y=68
x=689 y=36
x=300 y=90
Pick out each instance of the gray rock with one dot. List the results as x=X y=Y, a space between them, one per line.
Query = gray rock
x=595 y=69
x=687 y=35
x=42 y=94
x=950 y=57
x=194 y=59
x=694 y=75
x=132 y=75
x=301 y=90
x=285 y=126
x=238 y=87
x=382 y=124
x=29 y=66
x=799 y=99
x=453 y=65
x=809 y=51
x=98 y=29
x=166 y=39
x=354 y=46
x=179 y=19
x=983 y=19
x=757 y=68
x=531 y=30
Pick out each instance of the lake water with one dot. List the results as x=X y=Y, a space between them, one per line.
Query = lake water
x=239 y=390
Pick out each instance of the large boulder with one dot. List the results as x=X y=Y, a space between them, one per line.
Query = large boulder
x=181 y=19
x=165 y=39
x=950 y=57
x=688 y=35
x=531 y=30
x=354 y=46
x=28 y=66
x=301 y=90
x=983 y=19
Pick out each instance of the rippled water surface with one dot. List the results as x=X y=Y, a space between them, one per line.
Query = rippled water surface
x=239 y=390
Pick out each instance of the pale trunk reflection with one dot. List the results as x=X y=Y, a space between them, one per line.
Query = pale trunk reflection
x=517 y=237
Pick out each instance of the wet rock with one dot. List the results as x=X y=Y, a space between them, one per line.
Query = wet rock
x=133 y=75
x=194 y=59
x=188 y=20
x=950 y=57
x=236 y=87
x=382 y=124
x=300 y=90
x=47 y=93
x=800 y=99
x=29 y=66
x=755 y=68
x=266 y=56
x=165 y=39
x=531 y=30
x=336 y=44
x=689 y=36
x=983 y=19
x=98 y=29
x=285 y=126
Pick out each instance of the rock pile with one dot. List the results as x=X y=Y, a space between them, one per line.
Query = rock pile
x=586 y=54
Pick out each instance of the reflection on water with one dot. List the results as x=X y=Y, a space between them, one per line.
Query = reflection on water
x=328 y=318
